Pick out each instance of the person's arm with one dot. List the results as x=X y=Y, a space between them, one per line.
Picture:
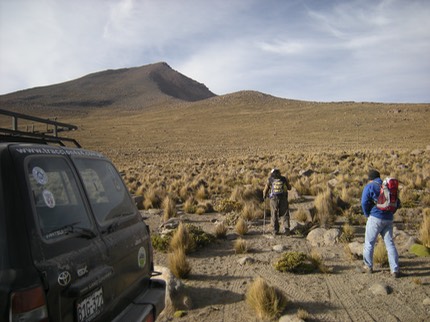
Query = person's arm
x=369 y=197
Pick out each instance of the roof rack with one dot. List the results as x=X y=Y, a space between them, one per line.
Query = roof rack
x=50 y=135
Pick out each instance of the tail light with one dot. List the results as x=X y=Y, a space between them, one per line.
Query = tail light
x=28 y=305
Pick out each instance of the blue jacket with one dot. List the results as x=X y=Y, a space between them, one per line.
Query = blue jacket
x=369 y=199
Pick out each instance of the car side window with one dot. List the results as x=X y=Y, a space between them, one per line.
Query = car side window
x=56 y=196
x=106 y=191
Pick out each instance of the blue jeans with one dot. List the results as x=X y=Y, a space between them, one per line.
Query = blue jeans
x=374 y=227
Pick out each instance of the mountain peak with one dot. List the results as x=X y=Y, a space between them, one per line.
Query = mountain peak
x=136 y=87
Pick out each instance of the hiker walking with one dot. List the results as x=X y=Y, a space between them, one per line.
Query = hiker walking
x=379 y=222
x=276 y=189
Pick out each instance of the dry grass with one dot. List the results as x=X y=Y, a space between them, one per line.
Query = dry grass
x=301 y=215
x=178 y=264
x=182 y=239
x=240 y=246
x=380 y=255
x=241 y=227
x=326 y=208
x=318 y=262
x=267 y=302
x=151 y=199
x=227 y=162
x=348 y=233
x=221 y=230
x=424 y=231
x=190 y=205
x=169 y=208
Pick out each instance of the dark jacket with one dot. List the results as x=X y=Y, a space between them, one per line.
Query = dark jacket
x=268 y=189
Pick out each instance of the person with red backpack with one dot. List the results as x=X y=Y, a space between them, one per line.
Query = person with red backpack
x=276 y=189
x=379 y=202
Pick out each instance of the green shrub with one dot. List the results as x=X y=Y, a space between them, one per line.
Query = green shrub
x=420 y=250
x=161 y=242
x=227 y=205
x=295 y=262
x=200 y=237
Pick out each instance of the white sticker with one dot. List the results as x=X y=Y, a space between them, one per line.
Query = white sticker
x=141 y=257
x=48 y=196
x=40 y=175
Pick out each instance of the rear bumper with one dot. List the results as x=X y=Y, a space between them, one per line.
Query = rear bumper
x=151 y=301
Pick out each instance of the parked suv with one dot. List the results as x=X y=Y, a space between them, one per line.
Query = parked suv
x=73 y=245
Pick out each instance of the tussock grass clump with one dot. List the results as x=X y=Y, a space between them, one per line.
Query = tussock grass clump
x=178 y=264
x=302 y=186
x=425 y=199
x=240 y=246
x=201 y=193
x=250 y=211
x=187 y=237
x=204 y=207
x=221 y=230
x=326 y=208
x=301 y=215
x=169 y=208
x=424 y=232
x=318 y=262
x=267 y=301
x=348 y=233
x=151 y=199
x=354 y=216
x=347 y=195
x=380 y=255
x=237 y=194
x=190 y=205
x=408 y=198
x=241 y=227
x=182 y=239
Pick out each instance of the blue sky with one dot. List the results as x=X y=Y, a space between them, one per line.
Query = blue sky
x=317 y=50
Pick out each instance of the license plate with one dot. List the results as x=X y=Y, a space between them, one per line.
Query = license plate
x=91 y=306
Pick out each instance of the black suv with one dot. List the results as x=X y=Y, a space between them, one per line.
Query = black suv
x=73 y=245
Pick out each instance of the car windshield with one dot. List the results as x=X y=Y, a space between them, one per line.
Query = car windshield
x=56 y=196
x=106 y=191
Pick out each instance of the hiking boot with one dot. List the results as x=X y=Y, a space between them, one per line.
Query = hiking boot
x=396 y=274
x=287 y=232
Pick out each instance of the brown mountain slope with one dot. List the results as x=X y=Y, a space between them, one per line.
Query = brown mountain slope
x=133 y=88
x=159 y=111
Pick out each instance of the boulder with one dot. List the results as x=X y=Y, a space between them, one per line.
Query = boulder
x=356 y=249
x=279 y=248
x=176 y=297
x=323 y=237
x=306 y=173
x=380 y=289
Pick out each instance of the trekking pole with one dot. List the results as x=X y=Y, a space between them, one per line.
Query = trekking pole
x=264 y=220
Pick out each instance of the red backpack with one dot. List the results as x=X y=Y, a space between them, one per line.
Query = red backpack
x=387 y=199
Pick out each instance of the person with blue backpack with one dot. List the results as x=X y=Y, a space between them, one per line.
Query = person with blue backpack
x=276 y=189
x=380 y=216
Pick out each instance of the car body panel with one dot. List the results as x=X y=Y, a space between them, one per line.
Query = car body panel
x=79 y=234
